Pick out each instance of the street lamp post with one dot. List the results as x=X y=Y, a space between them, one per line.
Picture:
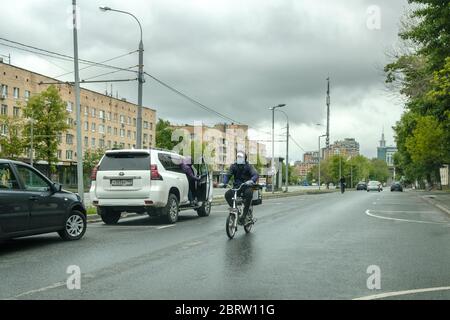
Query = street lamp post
x=140 y=77
x=287 y=150
x=273 y=142
x=320 y=157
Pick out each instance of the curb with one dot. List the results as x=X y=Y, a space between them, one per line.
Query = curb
x=430 y=200
x=220 y=201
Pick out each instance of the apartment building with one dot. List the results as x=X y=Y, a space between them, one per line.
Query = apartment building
x=107 y=122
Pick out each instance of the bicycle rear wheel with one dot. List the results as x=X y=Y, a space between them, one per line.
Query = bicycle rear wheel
x=230 y=226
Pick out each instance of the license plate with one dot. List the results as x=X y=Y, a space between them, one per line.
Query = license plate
x=122 y=183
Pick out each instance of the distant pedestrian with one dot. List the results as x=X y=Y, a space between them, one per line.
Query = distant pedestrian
x=342 y=182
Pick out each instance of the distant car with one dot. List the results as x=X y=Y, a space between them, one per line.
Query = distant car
x=361 y=186
x=374 y=186
x=31 y=204
x=396 y=186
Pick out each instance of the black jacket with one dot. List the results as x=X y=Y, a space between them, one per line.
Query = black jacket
x=241 y=173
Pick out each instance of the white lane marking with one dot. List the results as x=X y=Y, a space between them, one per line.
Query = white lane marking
x=381 y=211
x=53 y=286
x=402 y=293
x=165 y=227
x=404 y=220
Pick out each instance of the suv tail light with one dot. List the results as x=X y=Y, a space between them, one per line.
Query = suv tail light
x=94 y=173
x=154 y=174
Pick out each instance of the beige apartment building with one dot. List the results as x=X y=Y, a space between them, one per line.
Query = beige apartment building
x=107 y=122
x=227 y=139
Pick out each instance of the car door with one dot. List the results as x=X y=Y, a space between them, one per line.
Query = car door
x=14 y=206
x=205 y=186
x=47 y=209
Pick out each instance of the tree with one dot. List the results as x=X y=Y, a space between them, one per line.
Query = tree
x=164 y=135
x=49 y=115
x=379 y=170
x=91 y=159
x=12 y=143
x=427 y=146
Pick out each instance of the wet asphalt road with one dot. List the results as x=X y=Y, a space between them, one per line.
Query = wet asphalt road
x=306 y=247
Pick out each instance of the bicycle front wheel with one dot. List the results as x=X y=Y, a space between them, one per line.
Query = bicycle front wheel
x=231 y=226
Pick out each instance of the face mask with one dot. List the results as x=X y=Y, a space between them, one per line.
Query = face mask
x=240 y=160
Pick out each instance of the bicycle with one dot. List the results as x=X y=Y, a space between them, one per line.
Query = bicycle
x=236 y=213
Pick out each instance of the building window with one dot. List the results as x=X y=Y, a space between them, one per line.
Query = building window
x=109 y=130
x=129 y=121
x=101 y=128
x=93 y=113
x=93 y=127
x=145 y=124
x=4 y=110
x=16 y=93
x=108 y=116
x=4 y=91
x=86 y=142
x=109 y=144
x=134 y=135
x=27 y=95
x=134 y=122
x=102 y=114
x=93 y=142
x=69 y=139
x=129 y=134
x=59 y=154
x=70 y=122
x=115 y=117
x=69 y=154
x=122 y=133
x=122 y=119
x=115 y=131
x=86 y=111
x=59 y=137
x=86 y=126
x=145 y=138
x=69 y=107
x=3 y=129
x=16 y=112
x=101 y=143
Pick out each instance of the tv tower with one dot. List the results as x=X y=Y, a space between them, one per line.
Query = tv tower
x=328 y=114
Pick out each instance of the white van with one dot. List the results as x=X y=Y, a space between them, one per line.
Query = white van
x=147 y=182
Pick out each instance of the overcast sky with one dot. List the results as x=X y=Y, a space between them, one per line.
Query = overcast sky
x=239 y=57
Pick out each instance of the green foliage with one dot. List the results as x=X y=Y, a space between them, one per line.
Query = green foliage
x=164 y=135
x=91 y=159
x=12 y=143
x=423 y=132
x=49 y=113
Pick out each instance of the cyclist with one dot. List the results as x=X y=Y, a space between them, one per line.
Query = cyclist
x=243 y=172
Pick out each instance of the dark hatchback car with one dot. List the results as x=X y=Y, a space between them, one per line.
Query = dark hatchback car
x=31 y=204
x=361 y=186
x=396 y=186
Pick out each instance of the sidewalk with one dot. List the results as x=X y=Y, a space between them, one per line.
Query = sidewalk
x=439 y=199
x=219 y=200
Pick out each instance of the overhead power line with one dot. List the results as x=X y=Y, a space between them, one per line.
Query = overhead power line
x=55 y=55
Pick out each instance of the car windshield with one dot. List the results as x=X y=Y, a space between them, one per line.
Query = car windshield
x=125 y=161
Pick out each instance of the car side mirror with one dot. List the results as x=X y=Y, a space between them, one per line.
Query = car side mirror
x=57 y=187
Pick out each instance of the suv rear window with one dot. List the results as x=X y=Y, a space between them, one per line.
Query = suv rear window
x=125 y=161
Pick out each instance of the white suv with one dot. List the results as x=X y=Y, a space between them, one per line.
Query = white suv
x=146 y=181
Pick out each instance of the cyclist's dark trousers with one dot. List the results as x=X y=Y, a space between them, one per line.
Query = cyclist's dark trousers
x=247 y=195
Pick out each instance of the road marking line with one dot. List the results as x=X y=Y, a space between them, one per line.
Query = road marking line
x=402 y=293
x=384 y=211
x=165 y=227
x=404 y=220
x=53 y=286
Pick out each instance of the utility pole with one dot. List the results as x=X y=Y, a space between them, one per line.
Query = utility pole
x=320 y=158
x=273 y=143
x=78 y=105
x=287 y=157
x=328 y=114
